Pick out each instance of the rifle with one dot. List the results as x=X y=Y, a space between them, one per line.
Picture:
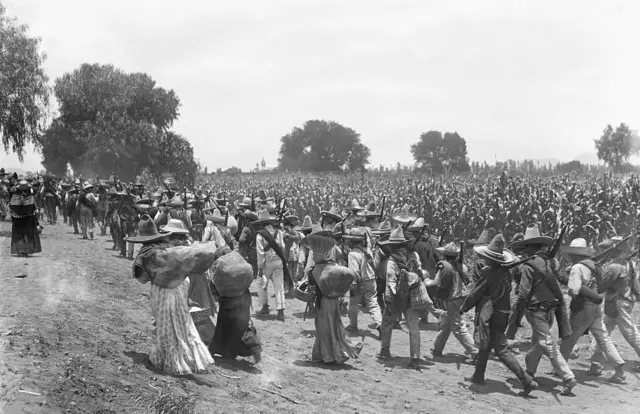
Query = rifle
x=600 y=257
x=446 y=229
x=384 y=200
x=185 y=198
x=417 y=239
x=553 y=250
x=461 y=254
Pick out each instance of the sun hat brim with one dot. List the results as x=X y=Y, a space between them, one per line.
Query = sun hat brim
x=507 y=256
x=446 y=252
x=214 y=219
x=331 y=215
x=300 y=228
x=404 y=220
x=145 y=239
x=393 y=242
x=542 y=240
x=174 y=230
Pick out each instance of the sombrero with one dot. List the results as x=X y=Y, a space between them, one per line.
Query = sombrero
x=609 y=243
x=449 y=250
x=319 y=231
x=353 y=206
x=264 y=218
x=333 y=213
x=495 y=251
x=175 y=226
x=416 y=225
x=383 y=228
x=355 y=234
x=578 y=247
x=369 y=211
x=215 y=216
x=307 y=225
x=147 y=231
x=403 y=216
x=532 y=236
x=245 y=203
x=396 y=238
x=250 y=215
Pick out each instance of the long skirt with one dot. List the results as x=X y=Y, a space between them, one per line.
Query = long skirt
x=332 y=344
x=179 y=349
x=24 y=236
x=235 y=334
x=200 y=292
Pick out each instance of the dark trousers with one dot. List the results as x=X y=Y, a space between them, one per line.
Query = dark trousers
x=498 y=343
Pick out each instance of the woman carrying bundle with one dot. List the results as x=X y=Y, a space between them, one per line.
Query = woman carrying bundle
x=179 y=349
x=25 y=239
x=332 y=346
x=235 y=333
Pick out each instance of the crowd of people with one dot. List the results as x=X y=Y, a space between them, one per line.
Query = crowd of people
x=399 y=248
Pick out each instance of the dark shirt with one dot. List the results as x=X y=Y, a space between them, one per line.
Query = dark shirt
x=494 y=281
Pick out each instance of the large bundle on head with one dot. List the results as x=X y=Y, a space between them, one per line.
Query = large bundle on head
x=232 y=225
x=332 y=279
x=232 y=275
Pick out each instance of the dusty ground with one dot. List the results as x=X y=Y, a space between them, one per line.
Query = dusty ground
x=74 y=330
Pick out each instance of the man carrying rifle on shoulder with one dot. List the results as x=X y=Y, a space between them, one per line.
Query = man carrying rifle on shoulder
x=539 y=298
x=586 y=307
x=622 y=289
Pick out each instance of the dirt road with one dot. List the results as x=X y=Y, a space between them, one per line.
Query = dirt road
x=75 y=328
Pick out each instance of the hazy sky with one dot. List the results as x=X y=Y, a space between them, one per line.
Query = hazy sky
x=517 y=79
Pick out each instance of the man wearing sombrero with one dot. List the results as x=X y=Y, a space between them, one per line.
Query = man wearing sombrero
x=622 y=289
x=491 y=298
x=539 y=297
x=303 y=254
x=87 y=204
x=272 y=264
x=586 y=308
x=451 y=281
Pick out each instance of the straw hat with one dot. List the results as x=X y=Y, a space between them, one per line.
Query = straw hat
x=396 y=238
x=215 y=216
x=176 y=202
x=353 y=206
x=532 y=236
x=250 y=215
x=485 y=237
x=495 y=251
x=449 y=250
x=355 y=234
x=612 y=242
x=88 y=186
x=318 y=230
x=147 y=231
x=383 y=228
x=333 y=214
x=403 y=216
x=246 y=202
x=369 y=211
x=306 y=225
x=175 y=226
x=265 y=218
x=23 y=185
x=291 y=218
x=416 y=225
x=578 y=247
x=337 y=231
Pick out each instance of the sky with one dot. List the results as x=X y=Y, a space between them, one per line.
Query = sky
x=516 y=79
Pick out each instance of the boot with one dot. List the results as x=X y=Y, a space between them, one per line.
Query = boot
x=280 y=316
x=264 y=310
x=384 y=353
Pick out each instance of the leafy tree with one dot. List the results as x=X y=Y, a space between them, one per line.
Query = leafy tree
x=567 y=167
x=114 y=122
x=24 y=93
x=322 y=146
x=439 y=154
x=615 y=147
x=174 y=154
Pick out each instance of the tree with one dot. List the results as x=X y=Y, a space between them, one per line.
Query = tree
x=615 y=147
x=174 y=155
x=24 y=92
x=113 y=122
x=439 y=154
x=322 y=146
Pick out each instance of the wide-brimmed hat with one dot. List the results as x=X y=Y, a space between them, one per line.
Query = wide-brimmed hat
x=333 y=213
x=215 y=216
x=578 y=247
x=337 y=231
x=23 y=185
x=291 y=219
x=417 y=225
x=318 y=230
x=609 y=243
x=532 y=236
x=403 y=216
x=485 y=237
x=245 y=203
x=87 y=186
x=176 y=202
x=175 y=226
x=383 y=228
x=147 y=231
x=449 y=250
x=250 y=215
x=495 y=251
x=264 y=218
x=396 y=238
x=369 y=211
x=306 y=225
x=353 y=206
x=355 y=234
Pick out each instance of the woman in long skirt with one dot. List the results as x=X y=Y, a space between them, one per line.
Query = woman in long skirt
x=179 y=349
x=25 y=239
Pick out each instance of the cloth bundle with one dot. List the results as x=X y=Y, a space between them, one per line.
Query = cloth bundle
x=332 y=279
x=232 y=275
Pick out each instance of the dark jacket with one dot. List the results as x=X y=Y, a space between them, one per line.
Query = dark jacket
x=494 y=281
